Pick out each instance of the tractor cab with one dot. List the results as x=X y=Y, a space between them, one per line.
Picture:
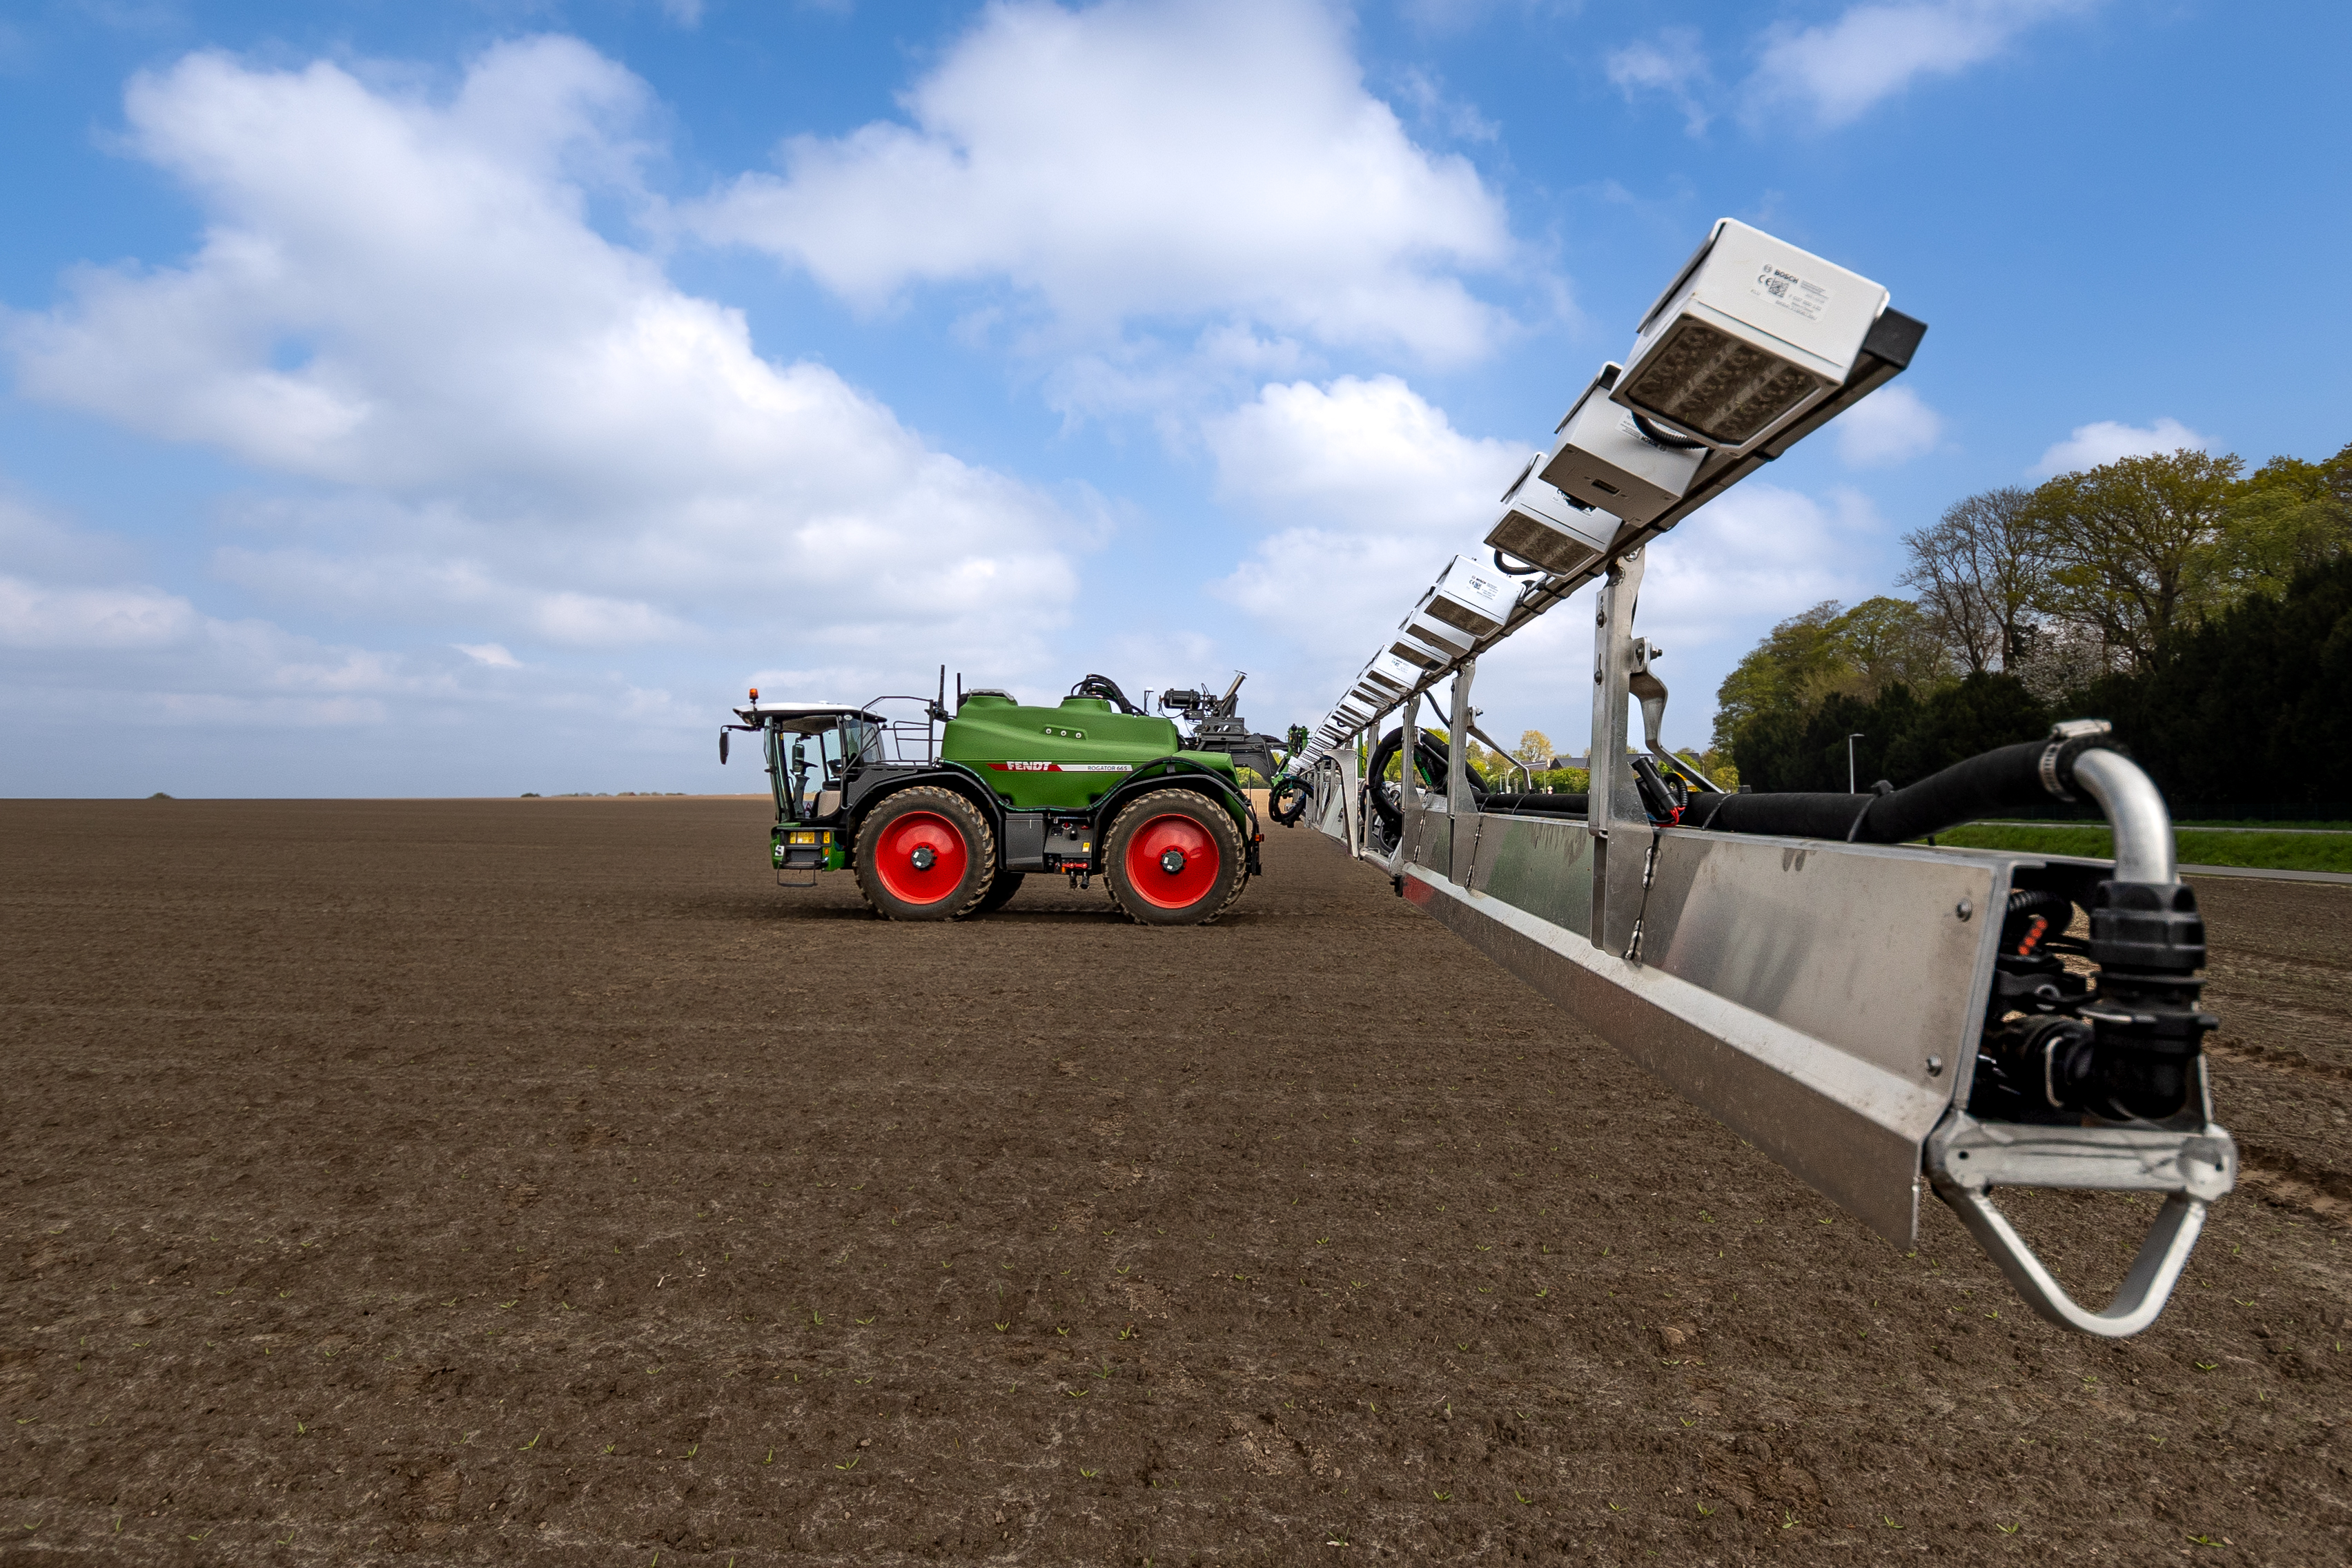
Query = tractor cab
x=811 y=751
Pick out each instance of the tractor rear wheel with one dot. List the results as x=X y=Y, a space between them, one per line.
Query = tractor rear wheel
x=1173 y=857
x=925 y=854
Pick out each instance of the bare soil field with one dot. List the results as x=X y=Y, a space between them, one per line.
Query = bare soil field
x=476 y=1182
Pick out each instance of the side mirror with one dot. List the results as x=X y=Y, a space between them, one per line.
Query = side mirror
x=722 y=748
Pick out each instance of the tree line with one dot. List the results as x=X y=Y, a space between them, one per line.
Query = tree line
x=2207 y=612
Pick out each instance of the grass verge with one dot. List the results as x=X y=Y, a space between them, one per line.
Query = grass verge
x=2258 y=851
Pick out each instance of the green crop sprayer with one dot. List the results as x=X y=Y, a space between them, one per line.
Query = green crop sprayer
x=943 y=816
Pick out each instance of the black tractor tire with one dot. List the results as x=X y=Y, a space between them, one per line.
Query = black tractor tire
x=1000 y=893
x=925 y=854
x=1174 y=858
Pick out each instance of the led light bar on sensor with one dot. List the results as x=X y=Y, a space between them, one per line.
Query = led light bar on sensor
x=1409 y=646
x=1470 y=597
x=1541 y=526
x=1601 y=456
x=1753 y=332
x=1389 y=671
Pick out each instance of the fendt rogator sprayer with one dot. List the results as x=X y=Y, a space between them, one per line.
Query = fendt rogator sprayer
x=941 y=818
x=1878 y=1015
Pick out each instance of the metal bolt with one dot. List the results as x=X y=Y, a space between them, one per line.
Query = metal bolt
x=1935 y=1066
x=1596 y=677
x=1965 y=909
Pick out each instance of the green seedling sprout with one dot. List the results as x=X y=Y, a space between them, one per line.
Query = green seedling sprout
x=527 y=1447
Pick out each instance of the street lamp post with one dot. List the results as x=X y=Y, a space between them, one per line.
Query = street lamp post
x=1851 y=788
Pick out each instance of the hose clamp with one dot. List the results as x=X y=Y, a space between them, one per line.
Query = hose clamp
x=2058 y=756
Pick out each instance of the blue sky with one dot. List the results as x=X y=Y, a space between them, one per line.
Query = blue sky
x=475 y=398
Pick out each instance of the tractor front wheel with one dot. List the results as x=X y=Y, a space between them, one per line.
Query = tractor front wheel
x=1000 y=893
x=1174 y=858
x=925 y=854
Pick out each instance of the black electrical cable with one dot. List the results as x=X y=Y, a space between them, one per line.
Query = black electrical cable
x=1507 y=570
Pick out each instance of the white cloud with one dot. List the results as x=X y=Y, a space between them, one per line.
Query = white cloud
x=1368 y=455
x=1756 y=555
x=1433 y=105
x=1891 y=426
x=525 y=429
x=132 y=650
x=39 y=615
x=1144 y=158
x=1673 y=63
x=1370 y=489
x=495 y=655
x=1836 y=71
x=2108 y=440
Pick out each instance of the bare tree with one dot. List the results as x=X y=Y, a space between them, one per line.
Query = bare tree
x=1979 y=570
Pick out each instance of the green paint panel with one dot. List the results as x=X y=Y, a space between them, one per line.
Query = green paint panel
x=1063 y=758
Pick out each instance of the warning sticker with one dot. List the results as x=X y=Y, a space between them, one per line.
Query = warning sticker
x=1791 y=292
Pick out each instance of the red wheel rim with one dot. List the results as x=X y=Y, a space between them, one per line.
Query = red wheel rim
x=903 y=840
x=1148 y=866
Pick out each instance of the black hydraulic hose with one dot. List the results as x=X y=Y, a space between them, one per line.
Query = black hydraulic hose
x=1539 y=803
x=1104 y=687
x=2006 y=779
x=1432 y=754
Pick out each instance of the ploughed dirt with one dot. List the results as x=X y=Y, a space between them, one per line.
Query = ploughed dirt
x=474 y=1182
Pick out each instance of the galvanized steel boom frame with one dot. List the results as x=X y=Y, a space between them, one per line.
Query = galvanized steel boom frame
x=1821 y=999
